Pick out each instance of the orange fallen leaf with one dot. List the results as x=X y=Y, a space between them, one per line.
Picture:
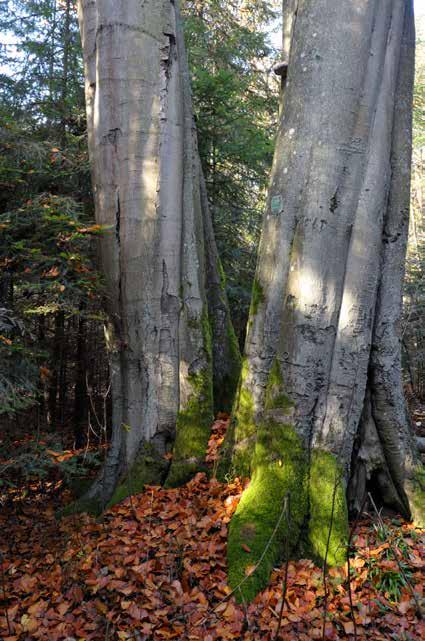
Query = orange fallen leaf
x=230 y=611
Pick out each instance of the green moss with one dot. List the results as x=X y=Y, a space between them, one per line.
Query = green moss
x=238 y=447
x=192 y=430
x=148 y=469
x=328 y=523
x=275 y=397
x=227 y=363
x=280 y=468
x=415 y=490
x=257 y=297
x=222 y=274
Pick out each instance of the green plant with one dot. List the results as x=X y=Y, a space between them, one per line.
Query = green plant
x=389 y=582
x=388 y=576
x=39 y=460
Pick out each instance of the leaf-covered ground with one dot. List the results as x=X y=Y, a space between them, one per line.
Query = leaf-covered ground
x=154 y=568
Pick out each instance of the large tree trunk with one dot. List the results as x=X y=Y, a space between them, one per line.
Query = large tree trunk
x=320 y=413
x=156 y=246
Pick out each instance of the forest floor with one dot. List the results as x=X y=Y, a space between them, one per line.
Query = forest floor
x=154 y=568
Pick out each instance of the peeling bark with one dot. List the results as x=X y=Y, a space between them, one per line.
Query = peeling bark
x=324 y=329
x=157 y=262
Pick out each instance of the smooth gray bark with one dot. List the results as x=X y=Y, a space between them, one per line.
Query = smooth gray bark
x=324 y=330
x=147 y=181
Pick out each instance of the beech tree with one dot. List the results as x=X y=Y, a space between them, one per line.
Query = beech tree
x=320 y=418
x=169 y=336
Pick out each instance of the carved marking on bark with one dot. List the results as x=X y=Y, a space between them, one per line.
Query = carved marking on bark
x=112 y=136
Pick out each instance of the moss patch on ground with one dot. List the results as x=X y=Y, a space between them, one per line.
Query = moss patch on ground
x=328 y=522
x=280 y=468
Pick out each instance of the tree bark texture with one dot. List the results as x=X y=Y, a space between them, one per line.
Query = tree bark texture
x=320 y=417
x=166 y=315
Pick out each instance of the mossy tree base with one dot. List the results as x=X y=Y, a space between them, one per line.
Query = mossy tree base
x=149 y=468
x=296 y=500
x=239 y=444
x=272 y=509
x=288 y=505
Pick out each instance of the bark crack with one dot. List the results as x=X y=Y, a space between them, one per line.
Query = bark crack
x=118 y=217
